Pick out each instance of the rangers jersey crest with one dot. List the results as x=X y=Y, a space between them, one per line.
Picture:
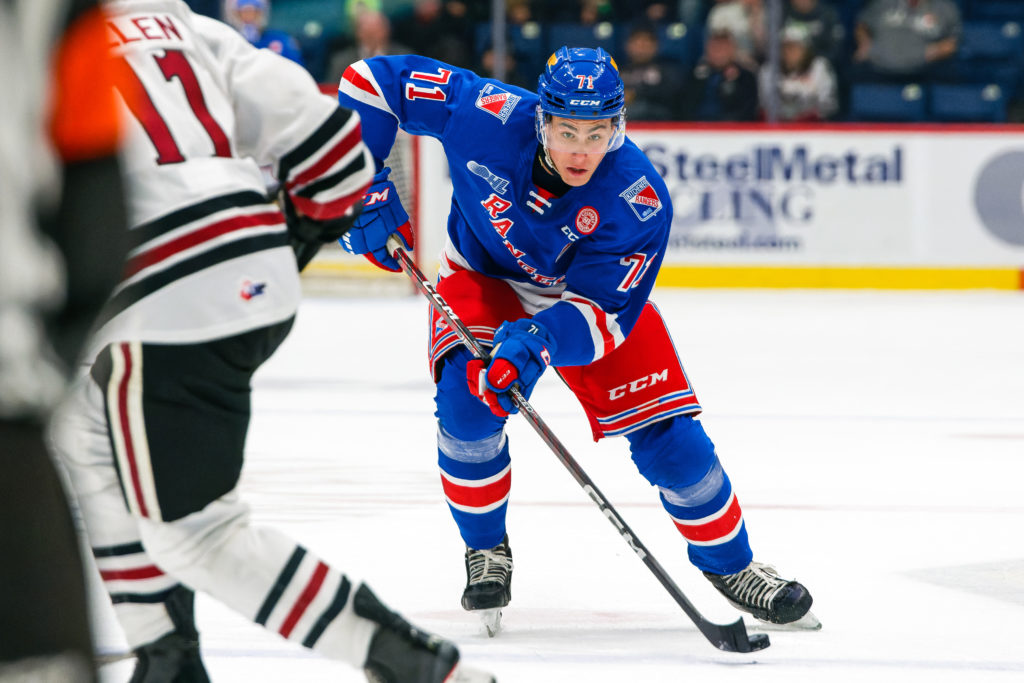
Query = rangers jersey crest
x=497 y=102
x=642 y=198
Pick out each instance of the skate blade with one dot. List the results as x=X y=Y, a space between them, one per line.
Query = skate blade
x=491 y=621
x=807 y=622
x=466 y=674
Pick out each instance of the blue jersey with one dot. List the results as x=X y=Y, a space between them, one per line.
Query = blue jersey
x=592 y=252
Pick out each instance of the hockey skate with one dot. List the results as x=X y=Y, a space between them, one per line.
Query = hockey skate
x=174 y=658
x=488 y=583
x=772 y=600
x=401 y=653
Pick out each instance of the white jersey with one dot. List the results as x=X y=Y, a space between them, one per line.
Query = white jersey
x=205 y=110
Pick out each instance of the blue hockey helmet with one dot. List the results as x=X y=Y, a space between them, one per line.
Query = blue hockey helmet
x=581 y=83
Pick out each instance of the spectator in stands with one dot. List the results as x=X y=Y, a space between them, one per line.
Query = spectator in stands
x=907 y=40
x=822 y=23
x=648 y=11
x=652 y=83
x=805 y=86
x=518 y=12
x=513 y=74
x=657 y=11
x=623 y=11
x=249 y=17
x=373 y=38
x=720 y=87
x=440 y=30
x=353 y=8
x=586 y=12
x=745 y=20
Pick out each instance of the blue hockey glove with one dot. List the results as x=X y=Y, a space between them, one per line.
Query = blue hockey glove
x=382 y=215
x=522 y=351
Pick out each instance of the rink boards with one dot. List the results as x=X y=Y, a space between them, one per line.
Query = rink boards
x=847 y=206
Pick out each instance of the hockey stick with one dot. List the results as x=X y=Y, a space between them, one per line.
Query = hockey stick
x=728 y=637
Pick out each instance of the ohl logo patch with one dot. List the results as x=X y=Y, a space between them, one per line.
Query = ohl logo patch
x=642 y=198
x=497 y=102
x=251 y=290
x=587 y=220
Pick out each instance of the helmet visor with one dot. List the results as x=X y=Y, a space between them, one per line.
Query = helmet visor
x=580 y=136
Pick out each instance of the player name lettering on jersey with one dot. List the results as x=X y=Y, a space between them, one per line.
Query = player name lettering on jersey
x=146 y=27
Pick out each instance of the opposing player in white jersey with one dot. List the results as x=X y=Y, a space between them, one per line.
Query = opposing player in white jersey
x=557 y=229
x=154 y=436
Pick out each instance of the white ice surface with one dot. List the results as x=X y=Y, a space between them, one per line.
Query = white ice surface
x=875 y=440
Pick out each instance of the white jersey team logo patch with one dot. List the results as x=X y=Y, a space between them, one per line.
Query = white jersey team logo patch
x=642 y=198
x=586 y=220
x=497 y=102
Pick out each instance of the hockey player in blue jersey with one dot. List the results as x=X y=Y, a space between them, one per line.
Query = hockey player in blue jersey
x=557 y=229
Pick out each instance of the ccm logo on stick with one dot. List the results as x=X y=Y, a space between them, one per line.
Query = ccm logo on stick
x=638 y=384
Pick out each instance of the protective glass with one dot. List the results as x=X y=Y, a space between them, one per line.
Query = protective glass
x=581 y=136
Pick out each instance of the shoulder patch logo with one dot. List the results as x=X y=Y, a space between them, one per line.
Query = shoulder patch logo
x=497 y=183
x=642 y=198
x=587 y=220
x=497 y=102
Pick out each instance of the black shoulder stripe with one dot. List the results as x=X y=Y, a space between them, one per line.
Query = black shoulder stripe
x=157 y=227
x=315 y=142
x=311 y=190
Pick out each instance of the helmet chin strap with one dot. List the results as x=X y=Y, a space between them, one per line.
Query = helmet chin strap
x=546 y=160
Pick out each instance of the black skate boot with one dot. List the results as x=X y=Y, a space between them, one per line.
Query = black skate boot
x=488 y=577
x=488 y=583
x=759 y=590
x=174 y=658
x=401 y=653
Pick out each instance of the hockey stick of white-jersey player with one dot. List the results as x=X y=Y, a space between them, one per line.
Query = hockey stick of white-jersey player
x=728 y=637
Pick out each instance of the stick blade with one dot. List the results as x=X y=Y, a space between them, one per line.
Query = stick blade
x=733 y=637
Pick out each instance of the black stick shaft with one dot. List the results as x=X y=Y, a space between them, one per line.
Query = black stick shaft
x=729 y=637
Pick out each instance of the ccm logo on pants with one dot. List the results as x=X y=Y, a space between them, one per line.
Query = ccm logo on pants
x=638 y=384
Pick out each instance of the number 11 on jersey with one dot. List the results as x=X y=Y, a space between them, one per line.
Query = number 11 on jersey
x=173 y=64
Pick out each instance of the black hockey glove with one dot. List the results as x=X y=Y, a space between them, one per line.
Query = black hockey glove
x=307 y=235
